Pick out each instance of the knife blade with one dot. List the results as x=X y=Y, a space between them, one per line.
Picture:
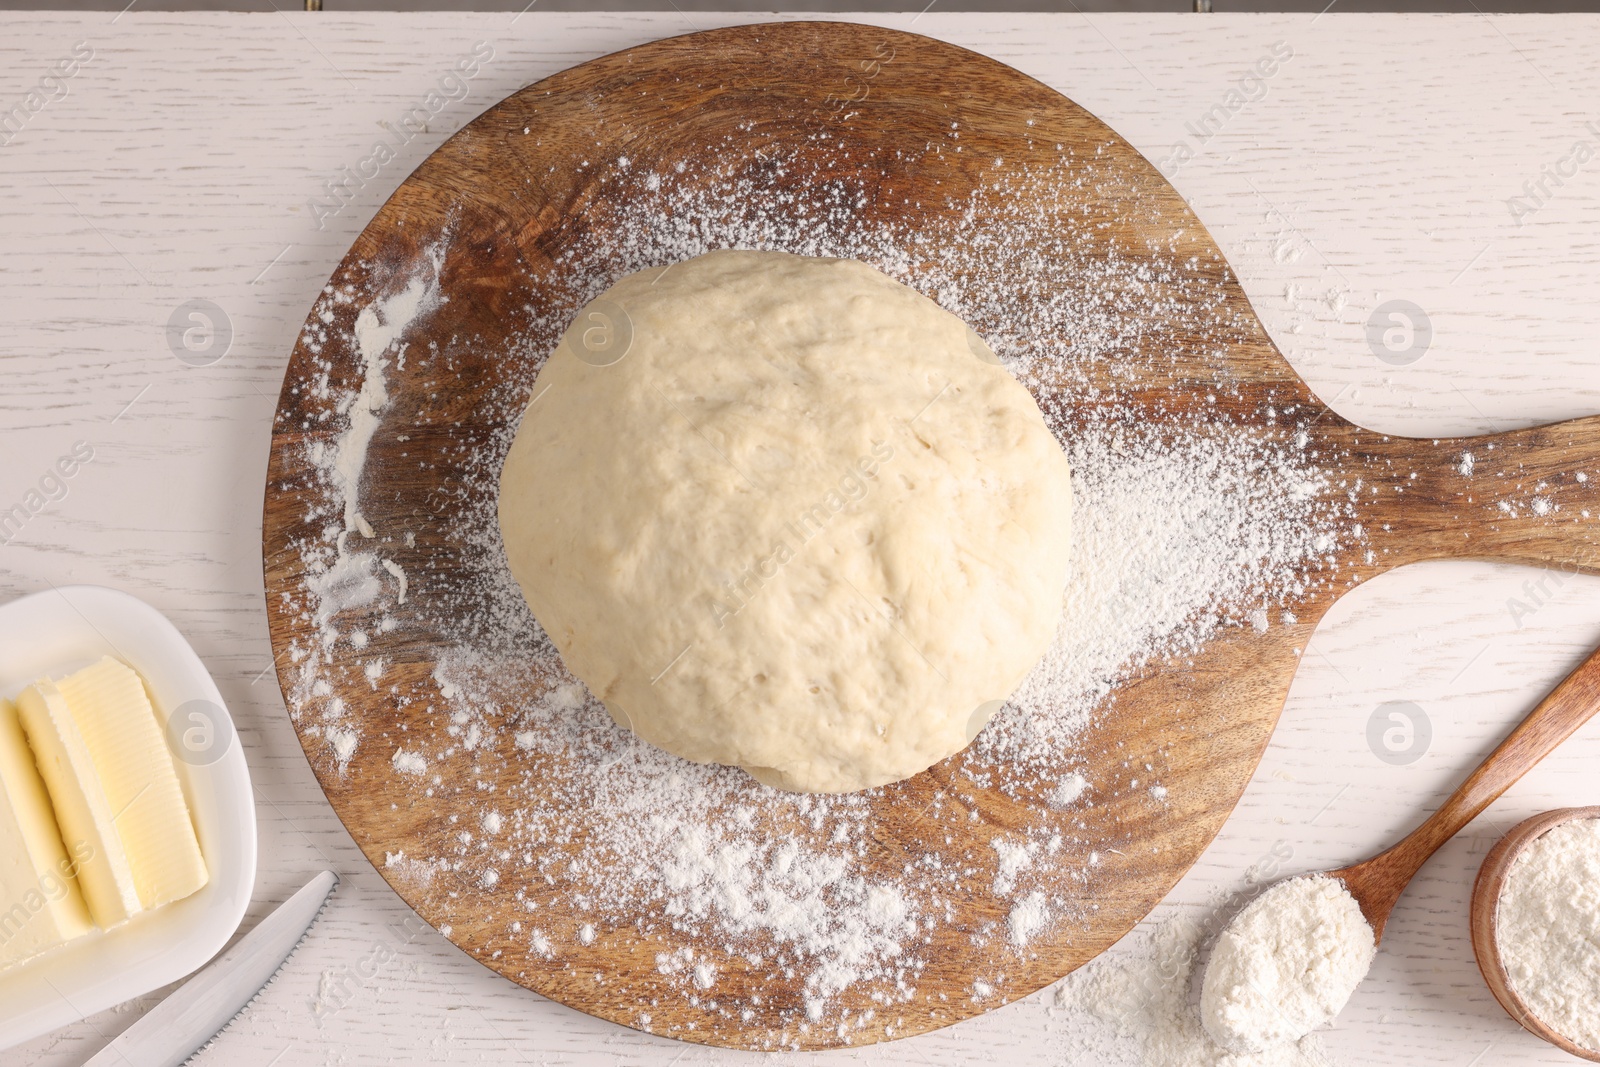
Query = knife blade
x=180 y=1025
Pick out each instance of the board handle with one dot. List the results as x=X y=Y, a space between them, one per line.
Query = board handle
x=1530 y=496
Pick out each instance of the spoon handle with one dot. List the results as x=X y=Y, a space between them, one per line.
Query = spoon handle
x=1379 y=881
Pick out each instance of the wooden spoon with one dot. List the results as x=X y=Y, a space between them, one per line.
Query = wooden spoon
x=1485 y=908
x=1378 y=882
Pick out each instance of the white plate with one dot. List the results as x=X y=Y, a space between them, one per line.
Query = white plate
x=56 y=632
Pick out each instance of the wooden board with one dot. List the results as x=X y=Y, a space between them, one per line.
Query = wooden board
x=888 y=105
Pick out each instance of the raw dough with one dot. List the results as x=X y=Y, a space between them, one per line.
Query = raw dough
x=786 y=513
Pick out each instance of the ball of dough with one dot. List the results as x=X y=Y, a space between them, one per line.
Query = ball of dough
x=787 y=514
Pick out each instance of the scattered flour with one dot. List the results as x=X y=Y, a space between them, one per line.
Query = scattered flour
x=378 y=327
x=1286 y=964
x=343 y=742
x=1548 y=929
x=1014 y=858
x=408 y=762
x=404 y=867
x=399 y=576
x=1173 y=540
x=540 y=944
x=340 y=579
x=1068 y=791
x=1027 y=918
x=1144 y=994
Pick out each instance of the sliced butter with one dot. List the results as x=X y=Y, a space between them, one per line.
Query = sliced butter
x=83 y=811
x=40 y=904
x=118 y=724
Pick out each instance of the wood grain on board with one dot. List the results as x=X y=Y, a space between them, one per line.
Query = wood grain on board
x=746 y=96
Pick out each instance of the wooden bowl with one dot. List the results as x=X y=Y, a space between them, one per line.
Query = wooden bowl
x=1485 y=906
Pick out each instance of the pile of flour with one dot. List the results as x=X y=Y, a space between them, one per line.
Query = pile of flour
x=1184 y=528
x=1548 y=930
x=1286 y=965
x=1144 y=993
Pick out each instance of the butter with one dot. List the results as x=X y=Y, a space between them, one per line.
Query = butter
x=114 y=716
x=83 y=811
x=40 y=904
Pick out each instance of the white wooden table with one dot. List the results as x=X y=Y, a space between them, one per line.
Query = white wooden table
x=1376 y=163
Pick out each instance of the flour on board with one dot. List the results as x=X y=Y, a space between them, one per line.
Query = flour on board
x=1182 y=530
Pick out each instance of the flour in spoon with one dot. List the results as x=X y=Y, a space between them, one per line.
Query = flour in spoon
x=1286 y=964
x=1143 y=993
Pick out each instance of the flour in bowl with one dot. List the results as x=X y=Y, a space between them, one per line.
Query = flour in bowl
x=1547 y=928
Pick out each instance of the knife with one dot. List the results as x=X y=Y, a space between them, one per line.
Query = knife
x=179 y=1026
